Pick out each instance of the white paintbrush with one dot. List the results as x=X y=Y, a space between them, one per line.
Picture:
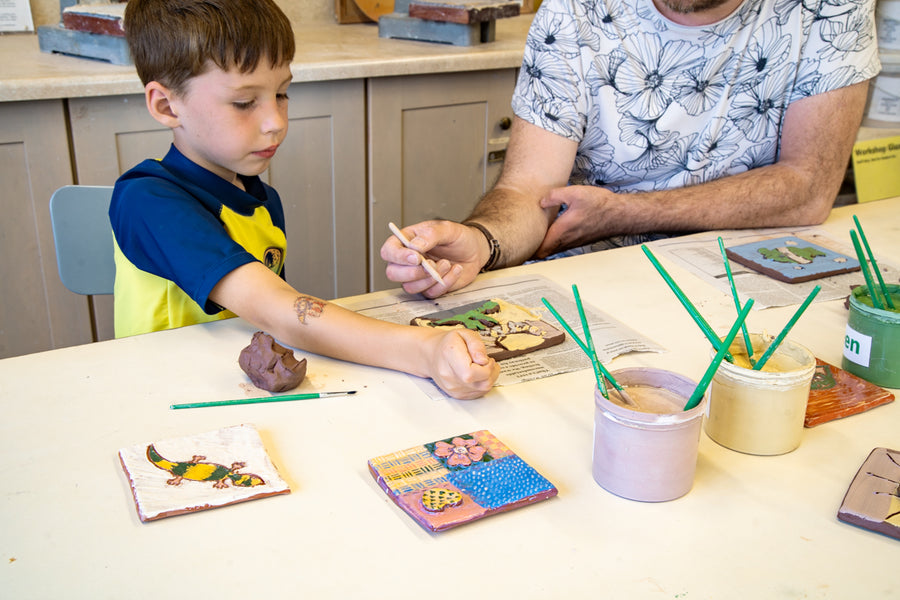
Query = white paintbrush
x=426 y=263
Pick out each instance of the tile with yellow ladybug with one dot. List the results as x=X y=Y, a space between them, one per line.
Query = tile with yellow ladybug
x=208 y=470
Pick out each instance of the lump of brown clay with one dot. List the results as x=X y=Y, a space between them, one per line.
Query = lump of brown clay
x=271 y=366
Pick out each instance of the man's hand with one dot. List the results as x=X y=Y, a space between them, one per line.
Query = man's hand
x=458 y=252
x=584 y=220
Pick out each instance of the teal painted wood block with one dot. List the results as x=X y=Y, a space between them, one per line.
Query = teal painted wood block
x=113 y=49
x=400 y=26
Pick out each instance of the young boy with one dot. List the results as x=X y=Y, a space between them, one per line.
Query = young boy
x=200 y=237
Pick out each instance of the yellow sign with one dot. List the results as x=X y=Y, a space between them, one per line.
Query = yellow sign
x=876 y=168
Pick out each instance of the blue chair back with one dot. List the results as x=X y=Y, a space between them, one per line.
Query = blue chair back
x=83 y=236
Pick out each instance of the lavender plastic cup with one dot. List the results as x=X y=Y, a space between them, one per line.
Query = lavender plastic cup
x=647 y=456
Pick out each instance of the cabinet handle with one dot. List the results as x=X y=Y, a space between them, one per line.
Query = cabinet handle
x=505 y=123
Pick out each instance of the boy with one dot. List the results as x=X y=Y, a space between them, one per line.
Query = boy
x=200 y=237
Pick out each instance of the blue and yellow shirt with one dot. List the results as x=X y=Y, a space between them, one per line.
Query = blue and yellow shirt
x=179 y=229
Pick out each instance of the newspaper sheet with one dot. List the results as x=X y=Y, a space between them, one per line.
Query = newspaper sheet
x=699 y=254
x=611 y=337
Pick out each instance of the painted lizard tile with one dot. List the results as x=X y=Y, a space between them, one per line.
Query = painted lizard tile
x=181 y=475
x=457 y=480
x=506 y=329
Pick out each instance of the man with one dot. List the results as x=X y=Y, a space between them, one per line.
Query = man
x=637 y=119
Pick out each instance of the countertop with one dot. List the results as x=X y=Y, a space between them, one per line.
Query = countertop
x=325 y=51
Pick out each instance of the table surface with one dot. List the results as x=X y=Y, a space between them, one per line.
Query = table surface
x=751 y=527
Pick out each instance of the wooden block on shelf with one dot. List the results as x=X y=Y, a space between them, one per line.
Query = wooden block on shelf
x=347 y=12
x=110 y=48
x=464 y=12
x=106 y=19
x=400 y=26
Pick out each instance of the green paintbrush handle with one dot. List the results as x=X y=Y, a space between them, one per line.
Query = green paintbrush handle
x=884 y=290
x=695 y=314
x=697 y=396
x=737 y=300
x=599 y=371
x=876 y=301
x=780 y=337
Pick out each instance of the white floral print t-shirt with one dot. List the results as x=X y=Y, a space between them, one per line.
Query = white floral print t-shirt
x=656 y=105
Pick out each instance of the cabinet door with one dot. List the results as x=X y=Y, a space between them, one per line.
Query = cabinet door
x=435 y=147
x=37 y=312
x=318 y=172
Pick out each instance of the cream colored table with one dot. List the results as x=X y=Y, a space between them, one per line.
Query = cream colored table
x=752 y=527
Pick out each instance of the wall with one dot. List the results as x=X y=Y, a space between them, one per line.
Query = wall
x=46 y=12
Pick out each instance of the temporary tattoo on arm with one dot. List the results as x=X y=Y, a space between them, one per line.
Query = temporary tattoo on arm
x=308 y=307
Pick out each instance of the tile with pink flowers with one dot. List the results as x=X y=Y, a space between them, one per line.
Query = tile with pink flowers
x=459 y=479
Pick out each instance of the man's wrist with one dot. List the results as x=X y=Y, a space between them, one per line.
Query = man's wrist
x=493 y=245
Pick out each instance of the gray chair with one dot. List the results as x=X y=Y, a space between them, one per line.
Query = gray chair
x=83 y=237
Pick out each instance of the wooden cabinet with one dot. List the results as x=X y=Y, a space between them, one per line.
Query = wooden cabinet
x=36 y=311
x=435 y=147
x=318 y=172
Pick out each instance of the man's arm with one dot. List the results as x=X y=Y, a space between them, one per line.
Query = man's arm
x=537 y=161
x=520 y=211
x=799 y=189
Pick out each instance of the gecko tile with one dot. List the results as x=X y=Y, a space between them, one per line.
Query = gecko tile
x=457 y=480
x=181 y=475
x=506 y=329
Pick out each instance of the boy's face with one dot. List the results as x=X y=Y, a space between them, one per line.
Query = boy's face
x=230 y=122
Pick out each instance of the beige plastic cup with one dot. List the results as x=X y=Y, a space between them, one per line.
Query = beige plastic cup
x=761 y=412
x=649 y=452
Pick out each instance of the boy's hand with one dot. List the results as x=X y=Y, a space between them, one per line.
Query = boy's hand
x=461 y=367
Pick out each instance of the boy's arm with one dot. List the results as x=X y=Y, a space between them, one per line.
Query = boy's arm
x=457 y=361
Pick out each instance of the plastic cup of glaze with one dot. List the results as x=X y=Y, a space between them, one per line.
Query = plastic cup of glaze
x=872 y=339
x=761 y=412
x=647 y=452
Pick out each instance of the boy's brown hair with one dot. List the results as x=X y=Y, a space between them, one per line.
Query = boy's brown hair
x=172 y=41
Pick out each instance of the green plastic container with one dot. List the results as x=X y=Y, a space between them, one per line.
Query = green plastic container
x=872 y=339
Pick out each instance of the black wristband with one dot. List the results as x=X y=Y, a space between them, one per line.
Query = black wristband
x=494 y=245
